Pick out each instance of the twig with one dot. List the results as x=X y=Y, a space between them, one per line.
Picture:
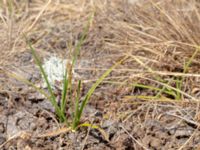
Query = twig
x=185 y=119
x=85 y=140
x=139 y=143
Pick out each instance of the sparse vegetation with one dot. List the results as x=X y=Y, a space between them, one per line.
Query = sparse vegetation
x=67 y=93
x=73 y=121
x=138 y=67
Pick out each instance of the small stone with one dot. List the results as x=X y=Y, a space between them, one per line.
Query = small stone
x=146 y=140
x=98 y=114
x=155 y=143
x=107 y=123
x=183 y=133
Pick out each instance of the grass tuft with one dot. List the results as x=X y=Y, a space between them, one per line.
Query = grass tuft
x=77 y=107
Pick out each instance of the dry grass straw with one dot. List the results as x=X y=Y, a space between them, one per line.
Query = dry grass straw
x=34 y=19
x=161 y=37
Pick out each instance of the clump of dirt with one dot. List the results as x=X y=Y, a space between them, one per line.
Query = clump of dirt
x=159 y=38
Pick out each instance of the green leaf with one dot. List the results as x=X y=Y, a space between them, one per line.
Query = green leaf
x=94 y=86
x=52 y=96
x=64 y=94
x=75 y=119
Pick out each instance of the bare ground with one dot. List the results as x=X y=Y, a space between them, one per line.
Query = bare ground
x=158 y=38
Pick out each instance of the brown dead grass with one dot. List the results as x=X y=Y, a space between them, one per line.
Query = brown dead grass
x=158 y=36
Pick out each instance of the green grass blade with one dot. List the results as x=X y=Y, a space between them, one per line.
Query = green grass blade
x=64 y=97
x=179 y=83
x=94 y=86
x=64 y=93
x=52 y=96
x=154 y=88
x=167 y=91
x=75 y=123
x=19 y=78
x=187 y=65
x=80 y=42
